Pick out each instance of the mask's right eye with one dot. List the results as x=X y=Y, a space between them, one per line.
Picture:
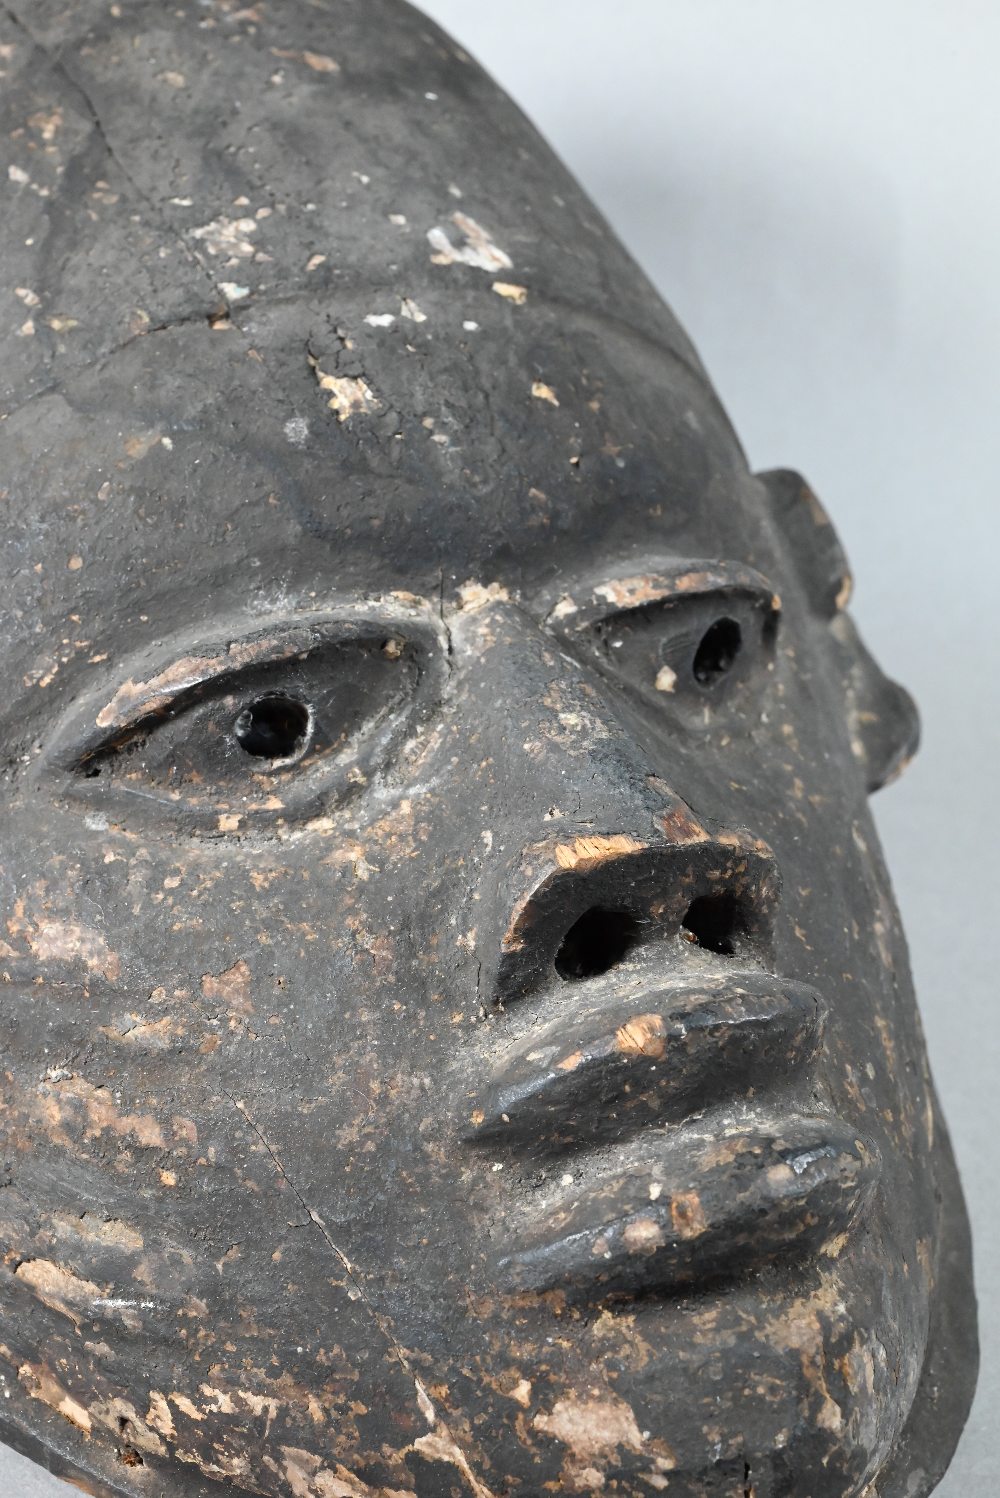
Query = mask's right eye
x=269 y=727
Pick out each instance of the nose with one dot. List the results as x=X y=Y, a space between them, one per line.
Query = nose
x=585 y=905
x=602 y=859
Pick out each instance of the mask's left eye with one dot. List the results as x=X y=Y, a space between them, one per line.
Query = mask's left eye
x=697 y=656
x=263 y=729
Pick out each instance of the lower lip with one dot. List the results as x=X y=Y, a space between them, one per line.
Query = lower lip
x=689 y=1210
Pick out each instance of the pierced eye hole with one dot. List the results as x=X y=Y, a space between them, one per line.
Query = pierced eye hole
x=273 y=728
x=717 y=652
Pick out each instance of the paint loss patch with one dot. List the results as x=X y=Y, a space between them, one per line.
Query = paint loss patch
x=477 y=249
x=347 y=395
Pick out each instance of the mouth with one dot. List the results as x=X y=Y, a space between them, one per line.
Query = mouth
x=676 y=1134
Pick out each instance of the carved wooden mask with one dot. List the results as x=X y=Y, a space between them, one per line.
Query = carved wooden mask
x=456 y=1033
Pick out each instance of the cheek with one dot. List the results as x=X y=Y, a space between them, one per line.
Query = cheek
x=314 y=985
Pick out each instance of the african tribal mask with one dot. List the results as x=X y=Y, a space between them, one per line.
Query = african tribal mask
x=457 y=1038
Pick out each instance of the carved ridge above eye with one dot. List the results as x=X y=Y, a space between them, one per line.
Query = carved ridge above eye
x=158 y=674
x=602 y=597
x=135 y=700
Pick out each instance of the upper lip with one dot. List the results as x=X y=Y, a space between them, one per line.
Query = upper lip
x=684 y=1112
x=664 y=1053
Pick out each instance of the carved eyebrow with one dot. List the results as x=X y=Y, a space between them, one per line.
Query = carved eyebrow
x=137 y=699
x=593 y=601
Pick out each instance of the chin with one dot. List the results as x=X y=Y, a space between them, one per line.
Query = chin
x=834 y=1374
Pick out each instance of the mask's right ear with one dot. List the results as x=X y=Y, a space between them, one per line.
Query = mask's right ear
x=882 y=718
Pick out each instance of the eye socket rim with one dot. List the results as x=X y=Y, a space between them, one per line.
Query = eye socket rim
x=307 y=776
x=291 y=788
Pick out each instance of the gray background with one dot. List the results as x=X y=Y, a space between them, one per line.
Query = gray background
x=815 y=189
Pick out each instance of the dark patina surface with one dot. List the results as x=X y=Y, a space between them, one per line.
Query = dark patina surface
x=456 y=1035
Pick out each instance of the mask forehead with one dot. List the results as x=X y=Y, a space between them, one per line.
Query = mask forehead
x=174 y=479
x=417 y=361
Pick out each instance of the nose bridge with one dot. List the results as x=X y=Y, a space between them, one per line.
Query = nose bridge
x=551 y=727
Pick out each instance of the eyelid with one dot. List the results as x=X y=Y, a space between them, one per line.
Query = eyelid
x=135 y=701
x=153 y=683
x=617 y=597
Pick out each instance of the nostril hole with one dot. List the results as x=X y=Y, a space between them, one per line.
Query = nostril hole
x=715 y=922
x=273 y=728
x=596 y=943
x=716 y=655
